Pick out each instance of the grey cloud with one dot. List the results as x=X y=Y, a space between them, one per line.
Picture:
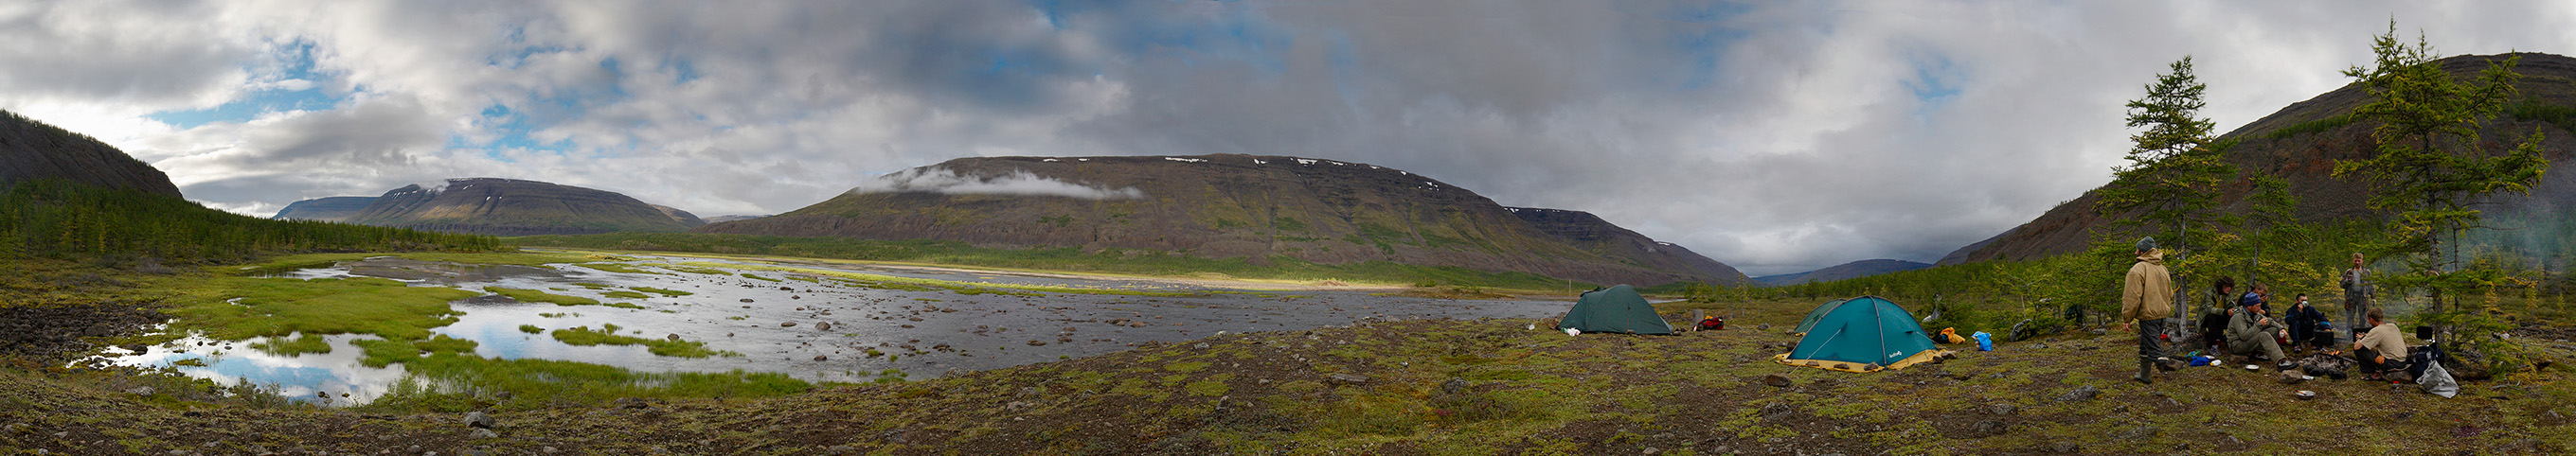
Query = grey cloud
x=1776 y=136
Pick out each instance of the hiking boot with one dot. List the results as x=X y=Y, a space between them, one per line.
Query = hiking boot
x=2168 y=364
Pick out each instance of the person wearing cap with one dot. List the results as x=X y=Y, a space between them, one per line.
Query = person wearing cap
x=2146 y=298
x=2252 y=333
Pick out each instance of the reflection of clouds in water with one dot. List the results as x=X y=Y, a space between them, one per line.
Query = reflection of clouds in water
x=297 y=377
x=730 y=312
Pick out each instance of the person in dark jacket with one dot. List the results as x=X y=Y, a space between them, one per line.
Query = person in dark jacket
x=2213 y=323
x=2307 y=325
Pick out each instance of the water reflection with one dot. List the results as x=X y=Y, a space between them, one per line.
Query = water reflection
x=812 y=327
x=338 y=376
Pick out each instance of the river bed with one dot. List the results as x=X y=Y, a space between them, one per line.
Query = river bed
x=813 y=326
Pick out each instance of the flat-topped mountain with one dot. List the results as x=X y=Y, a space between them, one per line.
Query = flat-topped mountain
x=325 y=209
x=1591 y=233
x=1263 y=208
x=31 y=150
x=511 y=207
x=2300 y=143
x=1852 y=270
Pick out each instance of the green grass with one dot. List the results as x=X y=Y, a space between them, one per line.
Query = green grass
x=449 y=382
x=386 y=352
x=531 y=329
x=275 y=307
x=618 y=268
x=625 y=294
x=910 y=283
x=607 y=335
x=1108 y=261
x=659 y=291
x=297 y=346
x=534 y=296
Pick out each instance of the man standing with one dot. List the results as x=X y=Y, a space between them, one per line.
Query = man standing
x=2356 y=295
x=2146 y=298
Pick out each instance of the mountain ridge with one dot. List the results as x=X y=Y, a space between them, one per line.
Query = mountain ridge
x=1213 y=206
x=31 y=150
x=1852 y=270
x=2301 y=142
x=513 y=207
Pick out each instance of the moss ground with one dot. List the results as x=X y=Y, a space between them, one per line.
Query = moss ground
x=1412 y=387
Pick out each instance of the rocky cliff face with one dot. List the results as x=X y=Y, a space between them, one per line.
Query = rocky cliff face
x=1216 y=206
x=31 y=150
x=2300 y=143
x=1593 y=234
x=326 y=209
x=509 y=207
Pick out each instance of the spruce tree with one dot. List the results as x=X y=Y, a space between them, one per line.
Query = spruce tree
x=2427 y=167
x=2174 y=167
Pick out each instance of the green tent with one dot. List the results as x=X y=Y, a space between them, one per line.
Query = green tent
x=1809 y=323
x=1863 y=334
x=1618 y=309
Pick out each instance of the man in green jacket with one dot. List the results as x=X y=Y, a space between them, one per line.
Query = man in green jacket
x=2146 y=297
x=2251 y=332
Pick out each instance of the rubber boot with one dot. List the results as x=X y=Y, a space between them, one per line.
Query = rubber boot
x=2146 y=371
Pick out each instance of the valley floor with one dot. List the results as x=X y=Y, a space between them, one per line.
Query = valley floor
x=1495 y=386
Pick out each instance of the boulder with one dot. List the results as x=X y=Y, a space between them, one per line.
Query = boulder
x=2084 y=393
x=478 y=419
x=789 y=324
x=1776 y=380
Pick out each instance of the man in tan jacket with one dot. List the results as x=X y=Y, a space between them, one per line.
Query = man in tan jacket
x=2146 y=297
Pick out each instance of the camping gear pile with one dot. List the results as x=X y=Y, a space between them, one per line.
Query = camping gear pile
x=1863 y=334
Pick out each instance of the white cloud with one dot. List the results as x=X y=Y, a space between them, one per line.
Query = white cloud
x=942 y=181
x=1776 y=136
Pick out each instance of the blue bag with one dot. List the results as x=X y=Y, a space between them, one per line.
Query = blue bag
x=1985 y=342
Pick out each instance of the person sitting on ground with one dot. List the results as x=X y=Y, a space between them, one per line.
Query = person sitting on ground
x=2307 y=325
x=2259 y=298
x=2213 y=323
x=2382 y=350
x=2250 y=333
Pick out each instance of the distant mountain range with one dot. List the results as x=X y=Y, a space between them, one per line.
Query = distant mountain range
x=1852 y=270
x=32 y=150
x=1236 y=206
x=2301 y=143
x=501 y=207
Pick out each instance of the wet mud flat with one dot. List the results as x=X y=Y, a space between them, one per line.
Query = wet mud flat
x=817 y=322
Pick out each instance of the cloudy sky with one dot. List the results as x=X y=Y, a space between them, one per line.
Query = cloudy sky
x=1775 y=136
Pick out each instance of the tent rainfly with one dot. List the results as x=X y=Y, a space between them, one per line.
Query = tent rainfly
x=1809 y=323
x=1863 y=334
x=1618 y=309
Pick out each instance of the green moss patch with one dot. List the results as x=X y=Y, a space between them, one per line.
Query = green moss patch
x=607 y=335
x=235 y=308
x=664 y=292
x=297 y=346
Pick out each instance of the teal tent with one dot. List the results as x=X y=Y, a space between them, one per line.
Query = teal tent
x=1809 y=323
x=1863 y=334
x=1618 y=309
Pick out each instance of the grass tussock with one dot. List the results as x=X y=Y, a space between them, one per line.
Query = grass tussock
x=607 y=335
